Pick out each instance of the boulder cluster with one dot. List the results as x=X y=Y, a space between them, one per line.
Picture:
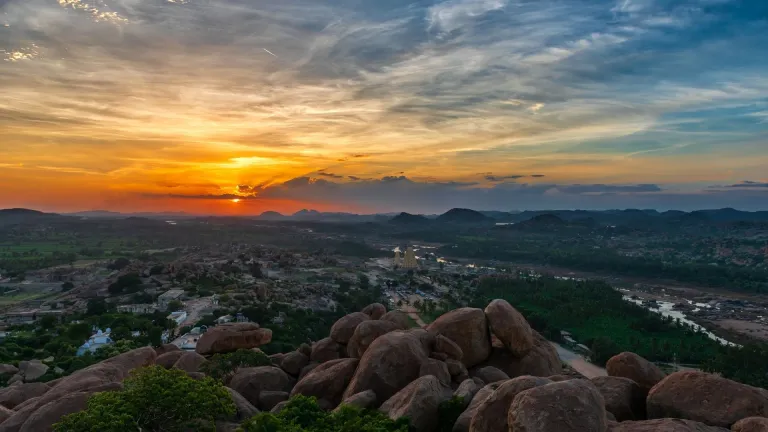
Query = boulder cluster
x=507 y=376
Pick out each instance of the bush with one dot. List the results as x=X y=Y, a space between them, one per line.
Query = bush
x=222 y=366
x=154 y=399
x=448 y=412
x=302 y=414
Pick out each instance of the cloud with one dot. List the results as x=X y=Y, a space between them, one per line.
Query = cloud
x=331 y=175
x=603 y=188
x=749 y=184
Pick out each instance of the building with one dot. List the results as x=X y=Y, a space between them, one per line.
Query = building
x=167 y=297
x=137 y=308
x=28 y=316
x=409 y=260
x=178 y=316
x=397 y=261
x=97 y=340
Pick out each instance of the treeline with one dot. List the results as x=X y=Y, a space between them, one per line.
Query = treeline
x=597 y=316
x=748 y=279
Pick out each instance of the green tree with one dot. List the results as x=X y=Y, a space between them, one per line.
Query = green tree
x=175 y=305
x=48 y=322
x=120 y=333
x=302 y=414
x=154 y=399
x=66 y=286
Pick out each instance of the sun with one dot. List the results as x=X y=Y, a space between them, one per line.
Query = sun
x=235 y=200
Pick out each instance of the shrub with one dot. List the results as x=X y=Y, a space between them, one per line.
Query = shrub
x=154 y=399
x=302 y=414
x=222 y=366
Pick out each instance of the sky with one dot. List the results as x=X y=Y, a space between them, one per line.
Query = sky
x=243 y=106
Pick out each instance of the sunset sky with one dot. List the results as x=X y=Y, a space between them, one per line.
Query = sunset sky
x=383 y=105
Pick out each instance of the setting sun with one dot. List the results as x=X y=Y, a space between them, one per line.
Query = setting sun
x=236 y=200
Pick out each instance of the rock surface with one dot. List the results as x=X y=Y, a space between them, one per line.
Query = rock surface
x=375 y=311
x=510 y=327
x=632 y=366
x=327 y=381
x=32 y=370
x=488 y=374
x=419 y=401
x=269 y=399
x=751 y=424
x=294 y=362
x=566 y=406
x=467 y=390
x=491 y=415
x=244 y=409
x=325 y=350
x=366 y=399
x=437 y=369
x=705 y=398
x=190 y=362
x=367 y=332
x=250 y=382
x=6 y=369
x=541 y=361
x=11 y=397
x=665 y=425
x=343 y=329
x=623 y=397
x=391 y=362
x=230 y=337
x=448 y=347
x=399 y=318
x=465 y=418
x=169 y=359
x=468 y=328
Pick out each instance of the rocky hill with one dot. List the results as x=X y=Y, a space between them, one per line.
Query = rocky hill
x=503 y=375
x=466 y=216
x=408 y=219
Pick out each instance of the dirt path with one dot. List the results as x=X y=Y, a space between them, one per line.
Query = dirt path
x=410 y=310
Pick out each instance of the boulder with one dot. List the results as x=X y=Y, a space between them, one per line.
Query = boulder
x=244 y=409
x=230 y=337
x=448 y=347
x=169 y=359
x=456 y=368
x=166 y=348
x=5 y=413
x=11 y=397
x=366 y=399
x=465 y=418
x=398 y=317
x=437 y=369
x=45 y=416
x=6 y=369
x=632 y=366
x=705 y=398
x=428 y=340
x=364 y=335
x=32 y=370
x=305 y=349
x=419 y=402
x=467 y=390
x=16 y=420
x=468 y=328
x=439 y=356
x=250 y=382
x=307 y=369
x=327 y=381
x=279 y=407
x=325 y=350
x=190 y=362
x=389 y=364
x=488 y=374
x=751 y=424
x=491 y=414
x=541 y=361
x=375 y=311
x=623 y=397
x=132 y=359
x=294 y=362
x=343 y=329
x=566 y=406
x=268 y=399
x=510 y=327
x=665 y=425
x=277 y=359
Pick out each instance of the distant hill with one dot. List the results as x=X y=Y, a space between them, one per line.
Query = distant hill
x=272 y=215
x=546 y=219
x=408 y=219
x=461 y=215
x=17 y=216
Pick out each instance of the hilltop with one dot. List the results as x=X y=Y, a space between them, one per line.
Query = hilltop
x=408 y=219
x=471 y=370
x=461 y=215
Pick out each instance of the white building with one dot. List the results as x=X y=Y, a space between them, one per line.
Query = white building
x=167 y=297
x=178 y=316
x=96 y=341
x=137 y=308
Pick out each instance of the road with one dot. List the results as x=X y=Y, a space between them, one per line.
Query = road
x=407 y=308
x=194 y=309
